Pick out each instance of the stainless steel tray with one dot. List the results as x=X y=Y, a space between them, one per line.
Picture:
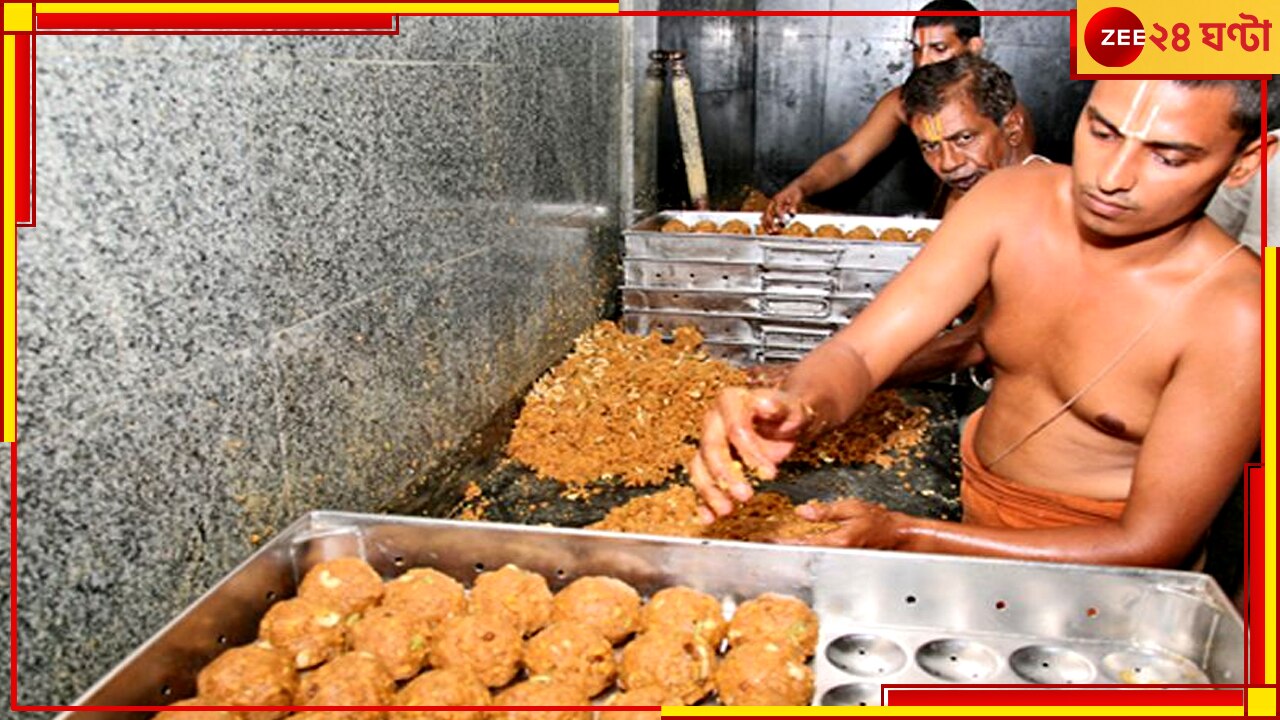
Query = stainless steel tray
x=739 y=289
x=738 y=338
x=886 y=617
x=759 y=248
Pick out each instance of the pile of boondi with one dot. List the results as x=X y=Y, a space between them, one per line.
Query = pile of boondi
x=631 y=407
x=620 y=405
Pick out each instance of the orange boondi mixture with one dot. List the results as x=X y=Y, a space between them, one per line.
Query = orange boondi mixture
x=631 y=407
x=620 y=405
x=766 y=516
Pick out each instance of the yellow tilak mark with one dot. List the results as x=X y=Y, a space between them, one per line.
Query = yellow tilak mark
x=933 y=129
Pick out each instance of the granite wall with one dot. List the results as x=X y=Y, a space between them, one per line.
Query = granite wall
x=801 y=84
x=277 y=274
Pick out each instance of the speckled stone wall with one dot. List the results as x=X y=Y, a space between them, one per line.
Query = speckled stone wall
x=790 y=88
x=277 y=274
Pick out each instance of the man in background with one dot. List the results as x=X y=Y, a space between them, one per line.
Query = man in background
x=933 y=40
x=962 y=112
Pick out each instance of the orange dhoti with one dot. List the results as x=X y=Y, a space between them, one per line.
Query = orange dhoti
x=993 y=501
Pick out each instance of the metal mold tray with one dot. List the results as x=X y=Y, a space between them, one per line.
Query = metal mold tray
x=886 y=617
x=739 y=289
x=645 y=239
x=738 y=339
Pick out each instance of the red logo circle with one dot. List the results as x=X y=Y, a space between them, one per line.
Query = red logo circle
x=1111 y=39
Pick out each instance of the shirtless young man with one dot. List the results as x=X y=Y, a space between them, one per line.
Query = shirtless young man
x=1124 y=334
x=933 y=39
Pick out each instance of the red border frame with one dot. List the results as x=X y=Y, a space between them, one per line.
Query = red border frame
x=217 y=23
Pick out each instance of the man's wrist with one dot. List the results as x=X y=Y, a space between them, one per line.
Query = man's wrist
x=901 y=529
x=814 y=424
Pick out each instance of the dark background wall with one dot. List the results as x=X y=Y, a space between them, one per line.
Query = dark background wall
x=777 y=92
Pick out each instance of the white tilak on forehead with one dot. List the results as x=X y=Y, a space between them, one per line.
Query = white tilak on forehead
x=1137 y=114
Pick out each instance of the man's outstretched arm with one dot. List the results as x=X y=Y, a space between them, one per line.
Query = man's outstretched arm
x=870 y=139
x=824 y=389
x=1205 y=427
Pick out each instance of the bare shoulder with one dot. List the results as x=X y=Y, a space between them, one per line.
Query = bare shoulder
x=1032 y=178
x=892 y=102
x=1227 y=307
x=1020 y=191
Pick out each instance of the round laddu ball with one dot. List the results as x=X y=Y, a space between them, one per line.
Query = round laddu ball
x=353 y=678
x=922 y=235
x=609 y=604
x=196 y=714
x=862 y=232
x=674 y=226
x=735 y=227
x=541 y=690
x=428 y=594
x=797 y=229
x=308 y=632
x=775 y=618
x=705 y=226
x=398 y=639
x=651 y=695
x=764 y=673
x=449 y=686
x=684 y=610
x=348 y=585
x=487 y=645
x=521 y=593
x=572 y=653
x=255 y=674
x=894 y=234
x=828 y=231
x=679 y=663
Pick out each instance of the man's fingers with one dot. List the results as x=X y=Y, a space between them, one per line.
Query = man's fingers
x=770 y=408
x=762 y=454
x=833 y=511
x=716 y=503
x=705 y=516
x=753 y=454
x=713 y=450
x=733 y=418
x=840 y=537
x=812 y=512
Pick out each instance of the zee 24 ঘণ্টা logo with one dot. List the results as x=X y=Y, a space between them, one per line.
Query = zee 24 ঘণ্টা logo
x=1115 y=37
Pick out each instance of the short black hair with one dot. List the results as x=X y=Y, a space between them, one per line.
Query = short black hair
x=989 y=86
x=1246 y=114
x=966 y=26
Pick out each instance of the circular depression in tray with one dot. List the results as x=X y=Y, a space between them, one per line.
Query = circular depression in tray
x=852 y=694
x=866 y=655
x=1144 y=667
x=1051 y=664
x=957 y=660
